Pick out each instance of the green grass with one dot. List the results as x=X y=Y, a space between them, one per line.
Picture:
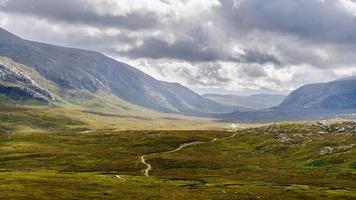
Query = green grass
x=15 y=118
x=46 y=157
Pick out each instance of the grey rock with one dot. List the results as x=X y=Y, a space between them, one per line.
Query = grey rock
x=18 y=85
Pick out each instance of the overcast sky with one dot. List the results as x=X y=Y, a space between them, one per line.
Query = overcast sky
x=209 y=45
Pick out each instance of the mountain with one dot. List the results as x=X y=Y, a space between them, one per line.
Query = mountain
x=257 y=101
x=339 y=94
x=74 y=72
x=336 y=99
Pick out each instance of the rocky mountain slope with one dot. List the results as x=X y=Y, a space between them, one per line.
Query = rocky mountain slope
x=80 y=71
x=22 y=83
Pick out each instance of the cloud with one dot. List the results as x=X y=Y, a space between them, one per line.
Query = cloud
x=222 y=44
x=316 y=32
x=324 y=21
x=253 y=71
x=197 y=46
x=182 y=49
x=89 y=12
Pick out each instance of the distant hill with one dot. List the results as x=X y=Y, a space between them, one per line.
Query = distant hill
x=336 y=99
x=257 y=101
x=339 y=94
x=74 y=72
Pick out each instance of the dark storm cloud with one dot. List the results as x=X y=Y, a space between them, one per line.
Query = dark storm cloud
x=80 y=12
x=316 y=20
x=194 y=46
x=320 y=33
x=183 y=49
x=192 y=51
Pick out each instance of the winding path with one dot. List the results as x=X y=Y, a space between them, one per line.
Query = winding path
x=182 y=146
x=119 y=177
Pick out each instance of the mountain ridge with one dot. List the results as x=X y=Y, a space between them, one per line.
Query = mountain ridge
x=318 y=101
x=338 y=94
x=73 y=70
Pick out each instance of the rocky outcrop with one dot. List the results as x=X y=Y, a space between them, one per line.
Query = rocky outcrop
x=17 y=83
x=24 y=93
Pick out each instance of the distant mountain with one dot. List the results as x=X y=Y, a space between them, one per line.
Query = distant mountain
x=339 y=94
x=257 y=101
x=74 y=71
x=336 y=99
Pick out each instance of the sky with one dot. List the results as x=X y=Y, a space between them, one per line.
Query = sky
x=211 y=46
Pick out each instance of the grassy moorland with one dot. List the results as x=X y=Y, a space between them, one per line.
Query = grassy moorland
x=52 y=118
x=48 y=155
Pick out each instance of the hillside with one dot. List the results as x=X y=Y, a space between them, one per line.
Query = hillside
x=338 y=94
x=79 y=74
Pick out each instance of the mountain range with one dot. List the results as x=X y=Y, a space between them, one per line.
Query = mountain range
x=49 y=74
x=335 y=99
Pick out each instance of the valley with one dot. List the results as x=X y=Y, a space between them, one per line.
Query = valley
x=40 y=159
x=76 y=124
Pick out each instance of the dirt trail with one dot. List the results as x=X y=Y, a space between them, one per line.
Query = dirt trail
x=85 y=132
x=119 y=177
x=182 y=146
